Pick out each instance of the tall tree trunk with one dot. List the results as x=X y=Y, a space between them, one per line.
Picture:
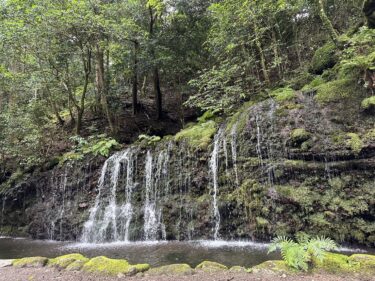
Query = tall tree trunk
x=135 y=78
x=258 y=45
x=156 y=78
x=101 y=85
x=327 y=23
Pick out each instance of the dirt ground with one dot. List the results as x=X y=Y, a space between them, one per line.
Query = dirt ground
x=47 y=274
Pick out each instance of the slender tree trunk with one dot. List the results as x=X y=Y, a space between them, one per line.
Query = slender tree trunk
x=156 y=78
x=327 y=23
x=258 y=45
x=101 y=85
x=135 y=79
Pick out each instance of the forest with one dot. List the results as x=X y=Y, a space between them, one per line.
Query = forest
x=202 y=132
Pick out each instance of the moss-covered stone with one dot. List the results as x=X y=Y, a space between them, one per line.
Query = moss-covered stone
x=76 y=265
x=238 y=269
x=210 y=266
x=171 y=270
x=64 y=261
x=106 y=266
x=323 y=58
x=276 y=266
x=284 y=94
x=30 y=262
x=354 y=142
x=368 y=103
x=299 y=136
x=199 y=135
x=335 y=91
x=333 y=263
x=363 y=261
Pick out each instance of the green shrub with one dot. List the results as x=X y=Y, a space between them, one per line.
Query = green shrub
x=301 y=253
x=150 y=140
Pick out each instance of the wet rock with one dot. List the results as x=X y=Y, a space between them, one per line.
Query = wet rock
x=6 y=263
x=65 y=261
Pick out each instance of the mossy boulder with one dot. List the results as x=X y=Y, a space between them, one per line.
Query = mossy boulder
x=30 y=262
x=368 y=103
x=336 y=91
x=106 y=266
x=76 y=265
x=354 y=142
x=324 y=58
x=299 y=136
x=333 y=263
x=210 y=266
x=171 y=270
x=198 y=135
x=364 y=262
x=284 y=94
x=63 y=262
x=275 y=266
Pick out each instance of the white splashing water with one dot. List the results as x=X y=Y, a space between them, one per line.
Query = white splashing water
x=107 y=221
x=214 y=170
x=233 y=143
x=156 y=172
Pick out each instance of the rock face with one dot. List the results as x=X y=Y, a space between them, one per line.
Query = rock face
x=274 y=168
x=369 y=11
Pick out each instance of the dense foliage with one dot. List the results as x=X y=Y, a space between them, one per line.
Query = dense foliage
x=71 y=67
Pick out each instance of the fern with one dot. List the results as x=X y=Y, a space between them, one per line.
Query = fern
x=299 y=254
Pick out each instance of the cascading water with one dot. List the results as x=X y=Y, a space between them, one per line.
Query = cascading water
x=2 y=210
x=233 y=144
x=107 y=221
x=214 y=169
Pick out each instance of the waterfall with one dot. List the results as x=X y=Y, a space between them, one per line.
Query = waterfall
x=63 y=182
x=156 y=182
x=233 y=145
x=107 y=221
x=214 y=169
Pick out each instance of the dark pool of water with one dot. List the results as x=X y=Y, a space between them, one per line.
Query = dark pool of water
x=155 y=253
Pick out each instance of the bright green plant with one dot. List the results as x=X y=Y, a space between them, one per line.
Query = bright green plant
x=300 y=254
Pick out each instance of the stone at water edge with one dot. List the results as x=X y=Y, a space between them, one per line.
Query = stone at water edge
x=238 y=269
x=30 y=262
x=6 y=263
x=210 y=266
x=171 y=270
x=273 y=266
x=65 y=261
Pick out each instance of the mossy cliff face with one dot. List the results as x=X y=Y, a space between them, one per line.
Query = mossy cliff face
x=300 y=161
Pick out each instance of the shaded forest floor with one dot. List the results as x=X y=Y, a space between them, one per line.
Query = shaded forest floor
x=45 y=274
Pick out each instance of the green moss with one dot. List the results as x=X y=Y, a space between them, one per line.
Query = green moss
x=368 y=103
x=333 y=263
x=335 y=90
x=364 y=262
x=210 y=266
x=207 y=116
x=199 y=135
x=299 y=136
x=30 y=262
x=171 y=270
x=104 y=265
x=261 y=222
x=284 y=94
x=323 y=58
x=238 y=269
x=318 y=80
x=355 y=143
x=370 y=135
x=142 y=267
x=76 y=265
x=66 y=260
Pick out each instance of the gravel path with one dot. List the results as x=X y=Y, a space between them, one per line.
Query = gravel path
x=47 y=274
